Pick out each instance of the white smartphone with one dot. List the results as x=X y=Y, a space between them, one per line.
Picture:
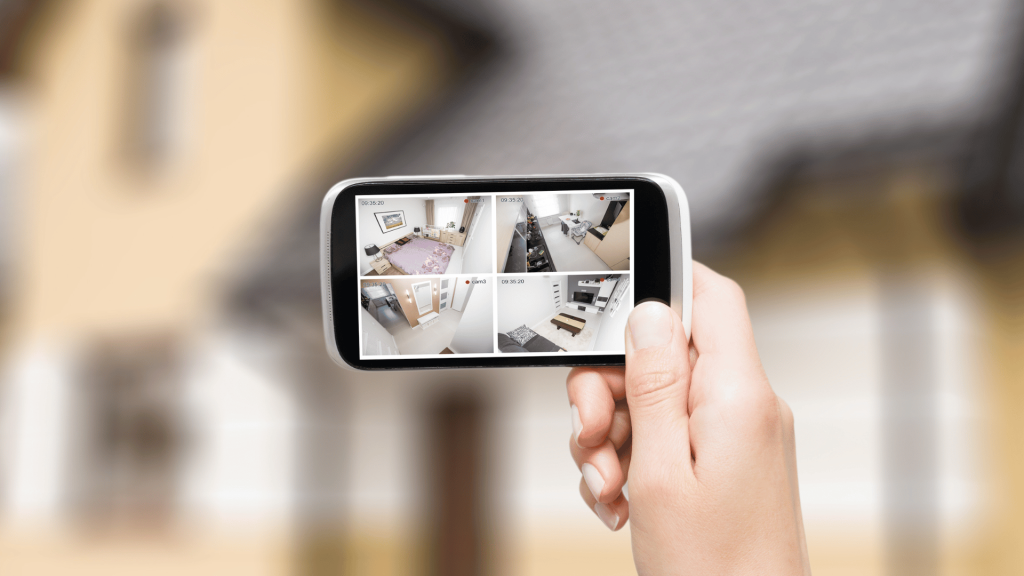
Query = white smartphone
x=460 y=271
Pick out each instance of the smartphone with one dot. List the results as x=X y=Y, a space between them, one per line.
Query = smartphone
x=422 y=272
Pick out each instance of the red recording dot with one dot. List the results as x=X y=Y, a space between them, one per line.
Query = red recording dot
x=602 y=197
x=466 y=200
x=467 y=281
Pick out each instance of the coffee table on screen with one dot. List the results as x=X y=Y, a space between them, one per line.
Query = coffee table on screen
x=571 y=323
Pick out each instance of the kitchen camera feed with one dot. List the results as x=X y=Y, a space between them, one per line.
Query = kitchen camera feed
x=578 y=232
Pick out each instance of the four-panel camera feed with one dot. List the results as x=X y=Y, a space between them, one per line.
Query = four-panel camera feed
x=487 y=274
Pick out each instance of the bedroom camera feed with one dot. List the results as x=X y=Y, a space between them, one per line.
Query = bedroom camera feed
x=563 y=232
x=426 y=316
x=574 y=314
x=417 y=235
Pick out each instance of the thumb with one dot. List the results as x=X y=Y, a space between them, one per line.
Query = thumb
x=658 y=382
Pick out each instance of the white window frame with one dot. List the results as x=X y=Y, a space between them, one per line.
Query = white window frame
x=546 y=205
x=440 y=209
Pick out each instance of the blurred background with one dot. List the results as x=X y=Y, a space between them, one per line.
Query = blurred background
x=166 y=402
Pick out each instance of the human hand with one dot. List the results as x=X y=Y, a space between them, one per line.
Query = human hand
x=707 y=446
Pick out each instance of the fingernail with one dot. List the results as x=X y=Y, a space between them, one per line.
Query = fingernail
x=605 y=513
x=577 y=426
x=625 y=490
x=594 y=480
x=650 y=325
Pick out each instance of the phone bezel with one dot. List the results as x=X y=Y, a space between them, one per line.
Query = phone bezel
x=661 y=270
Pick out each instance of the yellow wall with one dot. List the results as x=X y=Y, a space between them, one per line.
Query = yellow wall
x=282 y=92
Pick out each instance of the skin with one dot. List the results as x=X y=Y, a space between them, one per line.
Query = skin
x=708 y=448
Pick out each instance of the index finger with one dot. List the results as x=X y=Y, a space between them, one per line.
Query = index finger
x=728 y=379
x=721 y=325
x=592 y=396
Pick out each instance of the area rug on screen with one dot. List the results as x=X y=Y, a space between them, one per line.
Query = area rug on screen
x=579 y=343
x=420 y=256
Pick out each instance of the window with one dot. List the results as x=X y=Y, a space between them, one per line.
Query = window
x=11 y=146
x=445 y=213
x=618 y=295
x=547 y=205
x=160 y=83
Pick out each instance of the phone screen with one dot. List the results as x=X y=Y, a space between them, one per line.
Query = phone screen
x=489 y=274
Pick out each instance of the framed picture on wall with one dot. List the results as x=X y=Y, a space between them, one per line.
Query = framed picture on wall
x=390 y=221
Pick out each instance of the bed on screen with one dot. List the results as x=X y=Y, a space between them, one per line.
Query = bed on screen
x=420 y=256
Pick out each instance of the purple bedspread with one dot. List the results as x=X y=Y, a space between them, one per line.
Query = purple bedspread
x=421 y=256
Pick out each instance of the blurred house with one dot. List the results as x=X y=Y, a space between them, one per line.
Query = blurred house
x=853 y=164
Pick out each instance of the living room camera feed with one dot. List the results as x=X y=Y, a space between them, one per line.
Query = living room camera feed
x=426 y=316
x=563 y=232
x=574 y=314
x=418 y=235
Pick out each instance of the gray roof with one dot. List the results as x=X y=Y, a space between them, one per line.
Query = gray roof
x=722 y=96
x=712 y=93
